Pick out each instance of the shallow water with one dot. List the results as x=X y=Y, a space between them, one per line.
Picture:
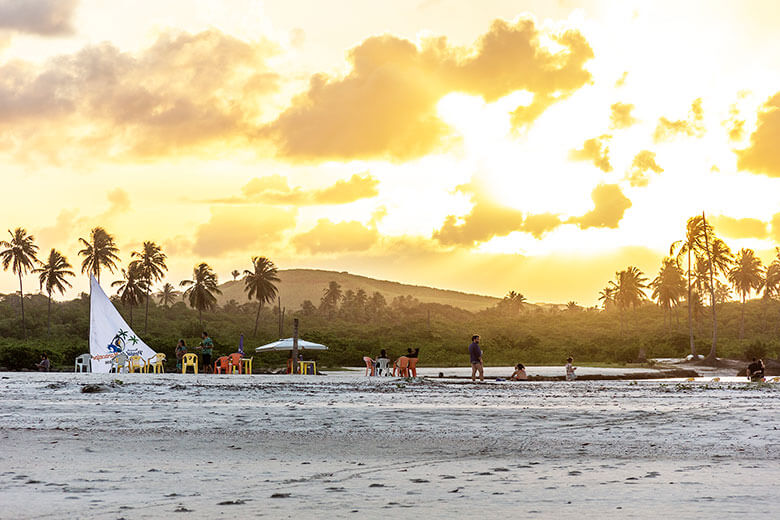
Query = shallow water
x=154 y=444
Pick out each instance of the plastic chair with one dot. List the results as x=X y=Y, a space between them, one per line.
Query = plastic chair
x=234 y=362
x=156 y=363
x=307 y=367
x=189 y=360
x=402 y=364
x=413 y=366
x=369 y=365
x=383 y=367
x=136 y=363
x=247 y=364
x=221 y=365
x=83 y=363
x=118 y=362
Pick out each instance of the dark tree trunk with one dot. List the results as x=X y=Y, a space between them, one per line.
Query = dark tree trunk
x=131 y=316
x=257 y=317
x=295 y=345
x=21 y=299
x=713 y=349
x=742 y=319
x=48 y=316
x=146 y=316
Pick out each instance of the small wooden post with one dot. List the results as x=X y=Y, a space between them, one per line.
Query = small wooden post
x=295 y=344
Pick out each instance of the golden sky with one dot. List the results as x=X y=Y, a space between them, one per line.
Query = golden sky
x=485 y=146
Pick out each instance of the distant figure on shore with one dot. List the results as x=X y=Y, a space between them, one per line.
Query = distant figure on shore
x=414 y=356
x=45 y=364
x=181 y=349
x=570 y=375
x=755 y=370
x=519 y=373
x=382 y=364
x=475 y=354
x=206 y=346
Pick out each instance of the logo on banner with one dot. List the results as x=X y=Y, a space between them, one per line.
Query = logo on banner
x=119 y=345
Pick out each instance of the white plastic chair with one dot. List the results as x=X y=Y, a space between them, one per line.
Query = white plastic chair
x=83 y=363
x=383 y=367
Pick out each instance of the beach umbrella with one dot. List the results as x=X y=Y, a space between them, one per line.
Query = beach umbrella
x=241 y=344
x=287 y=344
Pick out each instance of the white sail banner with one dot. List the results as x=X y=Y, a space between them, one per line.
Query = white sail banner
x=109 y=334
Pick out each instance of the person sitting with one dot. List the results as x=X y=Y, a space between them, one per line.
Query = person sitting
x=755 y=370
x=45 y=364
x=414 y=357
x=519 y=373
x=181 y=349
x=382 y=364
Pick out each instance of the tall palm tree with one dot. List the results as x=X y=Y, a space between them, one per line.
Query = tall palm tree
x=607 y=297
x=259 y=283
x=168 y=295
x=201 y=289
x=668 y=287
x=20 y=254
x=629 y=286
x=99 y=251
x=52 y=276
x=746 y=275
x=132 y=287
x=331 y=296
x=151 y=261
x=719 y=259
x=691 y=245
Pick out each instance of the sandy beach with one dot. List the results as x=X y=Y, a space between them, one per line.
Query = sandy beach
x=344 y=445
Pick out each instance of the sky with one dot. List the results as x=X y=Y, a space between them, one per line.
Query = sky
x=533 y=146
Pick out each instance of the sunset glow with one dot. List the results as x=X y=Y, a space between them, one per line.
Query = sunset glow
x=532 y=146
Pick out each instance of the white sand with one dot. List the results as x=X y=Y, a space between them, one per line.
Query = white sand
x=384 y=448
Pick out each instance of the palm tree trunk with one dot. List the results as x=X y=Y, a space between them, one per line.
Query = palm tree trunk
x=200 y=318
x=146 y=316
x=742 y=319
x=21 y=299
x=690 y=307
x=48 y=316
x=711 y=355
x=257 y=318
x=131 y=316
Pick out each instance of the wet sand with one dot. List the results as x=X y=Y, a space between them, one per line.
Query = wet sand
x=348 y=446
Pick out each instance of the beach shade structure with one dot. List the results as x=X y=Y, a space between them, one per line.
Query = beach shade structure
x=287 y=344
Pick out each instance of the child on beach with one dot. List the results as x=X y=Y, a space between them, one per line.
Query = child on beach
x=519 y=373
x=570 y=375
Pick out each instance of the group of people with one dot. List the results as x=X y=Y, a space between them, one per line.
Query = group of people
x=206 y=347
x=519 y=374
x=755 y=370
x=404 y=365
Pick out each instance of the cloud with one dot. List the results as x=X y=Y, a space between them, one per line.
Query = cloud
x=274 y=189
x=739 y=227
x=620 y=115
x=331 y=237
x=595 y=150
x=119 y=199
x=485 y=221
x=241 y=228
x=762 y=155
x=693 y=126
x=385 y=107
x=609 y=207
x=776 y=227
x=41 y=17
x=192 y=92
x=643 y=162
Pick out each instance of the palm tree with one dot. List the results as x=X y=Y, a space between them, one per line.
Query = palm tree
x=20 y=254
x=132 y=287
x=259 y=283
x=151 y=261
x=692 y=244
x=719 y=259
x=52 y=275
x=100 y=251
x=235 y=273
x=330 y=298
x=201 y=289
x=607 y=297
x=168 y=295
x=746 y=275
x=668 y=287
x=629 y=289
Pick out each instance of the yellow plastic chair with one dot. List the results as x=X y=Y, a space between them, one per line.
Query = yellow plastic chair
x=189 y=360
x=156 y=363
x=136 y=363
x=307 y=367
x=247 y=363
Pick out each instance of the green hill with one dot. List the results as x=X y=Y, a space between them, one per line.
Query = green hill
x=297 y=285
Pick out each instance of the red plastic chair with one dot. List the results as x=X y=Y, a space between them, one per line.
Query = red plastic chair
x=369 y=365
x=221 y=365
x=234 y=360
x=402 y=364
x=413 y=366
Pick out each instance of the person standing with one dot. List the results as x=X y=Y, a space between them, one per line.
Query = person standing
x=181 y=349
x=570 y=375
x=206 y=346
x=475 y=353
x=45 y=364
